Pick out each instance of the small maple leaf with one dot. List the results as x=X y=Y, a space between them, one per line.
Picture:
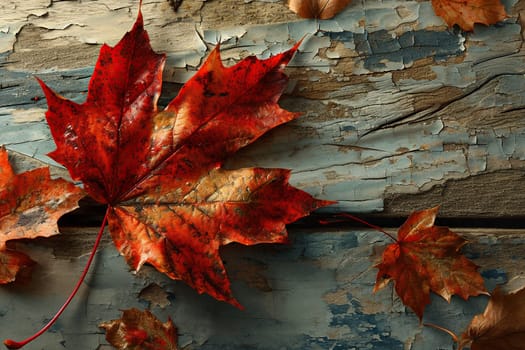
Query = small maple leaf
x=140 y=330
x=427 y=258
x=170 y=203
x=30 y=205
x=501 y=326
x=321 y=9
x=466 y=13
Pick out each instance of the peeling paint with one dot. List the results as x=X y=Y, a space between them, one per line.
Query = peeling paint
x=154 y=295
x=394 y=103
x=321 y=297
x=14 y=15
x=376 y=110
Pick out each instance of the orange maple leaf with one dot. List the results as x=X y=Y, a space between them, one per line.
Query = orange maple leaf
x=501 y=326
x=321 y=9
x=30 y=205
x=140 y=330
x=466 y=13
x=427 y=258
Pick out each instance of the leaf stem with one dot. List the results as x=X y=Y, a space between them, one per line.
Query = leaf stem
x=443 y=329
x=12 y=344
x=350 y=216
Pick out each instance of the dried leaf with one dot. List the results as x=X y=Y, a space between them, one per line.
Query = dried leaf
x=466 y=13
x=501 y=326
x=140 y=330
x=30 y=205
x=321 y=9
x=171 y=204
x=427 y=258
x=14 y=265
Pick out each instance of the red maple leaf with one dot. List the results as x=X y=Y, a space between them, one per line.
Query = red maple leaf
x=140 y=330
x=30 y=205
x=427 y=258
x=466 y=13
x=170 y=204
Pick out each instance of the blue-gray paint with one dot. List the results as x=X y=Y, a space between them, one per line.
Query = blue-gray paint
x=378 y=47
x=301 y=311
x=386 y=160
x=360 y=169
x=19 y=89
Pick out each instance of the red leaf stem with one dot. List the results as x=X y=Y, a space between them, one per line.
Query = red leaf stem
x=12 y=344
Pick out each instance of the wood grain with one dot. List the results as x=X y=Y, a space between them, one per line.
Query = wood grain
x=495 y=195
x=399 y=113
x=394 y=103
x=315 y=293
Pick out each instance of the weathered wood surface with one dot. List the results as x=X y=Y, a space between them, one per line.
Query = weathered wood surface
x=394 y=102
x=315 y=293
x=400 y=113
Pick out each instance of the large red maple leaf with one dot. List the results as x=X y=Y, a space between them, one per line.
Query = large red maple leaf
x=427 y=258
x=170 y=204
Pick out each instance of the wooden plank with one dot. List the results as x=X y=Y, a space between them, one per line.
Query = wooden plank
x=395 y=103
x=485 y=196
x=315 y=293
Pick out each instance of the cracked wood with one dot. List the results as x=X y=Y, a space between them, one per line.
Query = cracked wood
x=401 y=113
x=400 y=106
